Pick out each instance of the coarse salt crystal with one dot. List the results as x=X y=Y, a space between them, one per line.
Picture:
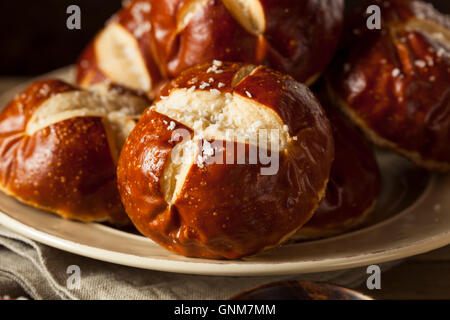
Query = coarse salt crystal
x=255 y=126
x=248 y=94
x=171 y=125
x=395 y=72
x=142 y=29
x=200 y=161
x=203 y=85
x=439 y=36
x=207 y=149
x=214 y=91
x=420 y=63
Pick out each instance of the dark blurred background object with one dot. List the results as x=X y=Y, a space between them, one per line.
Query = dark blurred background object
x=34 y=38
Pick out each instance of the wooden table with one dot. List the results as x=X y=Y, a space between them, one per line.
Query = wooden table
x=425 y=276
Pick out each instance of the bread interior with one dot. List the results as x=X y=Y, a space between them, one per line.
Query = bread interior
x=249 y=13
x=213 y=115
x=120 y=59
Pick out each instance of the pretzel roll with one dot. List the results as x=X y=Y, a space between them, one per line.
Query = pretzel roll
x=59 y=147
x=122 y=52
x=149 y=41
x=353 y=187
x=194 y=174
x=394 y=83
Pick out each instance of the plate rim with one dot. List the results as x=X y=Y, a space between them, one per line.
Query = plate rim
x=232 y=269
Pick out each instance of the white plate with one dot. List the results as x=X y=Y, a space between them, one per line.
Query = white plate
x=412 y=216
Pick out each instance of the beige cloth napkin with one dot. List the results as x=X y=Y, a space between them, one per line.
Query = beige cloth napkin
x=39 y=271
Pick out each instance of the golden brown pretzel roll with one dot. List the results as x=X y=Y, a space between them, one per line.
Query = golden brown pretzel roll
x=354 y=183
x=59 y=146
x=395 y=82
x=152 y=40
x=217 y=202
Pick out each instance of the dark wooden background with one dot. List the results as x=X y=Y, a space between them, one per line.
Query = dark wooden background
x=34 y=38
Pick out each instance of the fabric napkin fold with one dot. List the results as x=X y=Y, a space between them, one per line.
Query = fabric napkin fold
x=39 y=271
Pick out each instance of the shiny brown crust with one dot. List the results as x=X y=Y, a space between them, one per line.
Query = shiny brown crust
x=354 y=182
x=227 y=211
x=395 y=83
x=88 y=72
x=66 y=168
x=299 y=37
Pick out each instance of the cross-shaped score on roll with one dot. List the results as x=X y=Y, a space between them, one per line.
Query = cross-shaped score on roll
x=249 y=14
x=119 y=54
x=226 y=209
x=150 y=42
x=118 y=113
x=215 y=115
